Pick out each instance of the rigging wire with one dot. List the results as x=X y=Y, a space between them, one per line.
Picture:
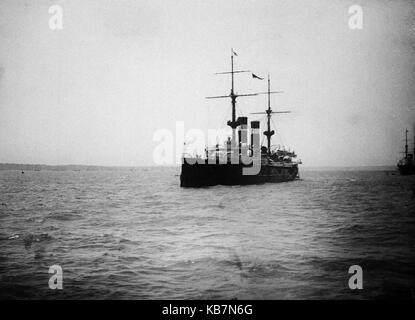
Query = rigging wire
x=240 y=111
x=208 y=115
x=224 y=114
x=223 y=118
x=277 y=132
x=261 y=120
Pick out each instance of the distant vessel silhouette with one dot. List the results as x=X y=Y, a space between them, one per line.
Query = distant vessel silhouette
x=218 y=167
x=406 y=165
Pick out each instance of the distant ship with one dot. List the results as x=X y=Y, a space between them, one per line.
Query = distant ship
x=407 y=164
x=217 y=167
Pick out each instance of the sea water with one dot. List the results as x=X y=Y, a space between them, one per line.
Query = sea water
x=133 y=233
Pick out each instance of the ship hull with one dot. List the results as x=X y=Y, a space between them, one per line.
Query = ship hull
x=204 y=174
x=406 y=169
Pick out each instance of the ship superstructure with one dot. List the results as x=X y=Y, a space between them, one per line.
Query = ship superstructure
x=225 y=164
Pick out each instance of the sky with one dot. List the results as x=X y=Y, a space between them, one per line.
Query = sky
x=97 y=91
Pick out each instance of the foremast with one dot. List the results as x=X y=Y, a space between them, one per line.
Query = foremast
x=233 y=123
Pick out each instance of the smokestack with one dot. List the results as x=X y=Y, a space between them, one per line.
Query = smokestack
x=243 y=127
x=254 y=130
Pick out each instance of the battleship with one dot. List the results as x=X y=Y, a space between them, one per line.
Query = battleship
x=406 y=165
x=225 y=165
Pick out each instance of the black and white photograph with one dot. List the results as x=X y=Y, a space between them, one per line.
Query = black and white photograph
x=232 y=150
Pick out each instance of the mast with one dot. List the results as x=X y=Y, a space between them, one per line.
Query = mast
x=233 y=123
x=406 y=143
x=269 y=133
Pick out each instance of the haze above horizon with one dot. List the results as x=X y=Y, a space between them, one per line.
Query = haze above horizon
x=95 y=92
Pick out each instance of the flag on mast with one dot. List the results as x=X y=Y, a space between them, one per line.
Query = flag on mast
x=234 y=53
x=256 y=77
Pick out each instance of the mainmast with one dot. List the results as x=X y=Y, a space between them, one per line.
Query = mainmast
x=269 y=133
x=406 y=143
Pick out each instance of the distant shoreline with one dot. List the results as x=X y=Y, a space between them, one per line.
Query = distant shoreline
x=78 y=167
x=65 y=167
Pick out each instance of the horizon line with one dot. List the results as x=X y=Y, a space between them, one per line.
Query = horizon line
x=173 y=165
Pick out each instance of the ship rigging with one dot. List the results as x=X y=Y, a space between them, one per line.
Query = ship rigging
x=275 y=165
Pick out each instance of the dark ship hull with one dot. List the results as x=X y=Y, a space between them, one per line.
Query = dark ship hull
x=204 y=175
x=406 y=169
